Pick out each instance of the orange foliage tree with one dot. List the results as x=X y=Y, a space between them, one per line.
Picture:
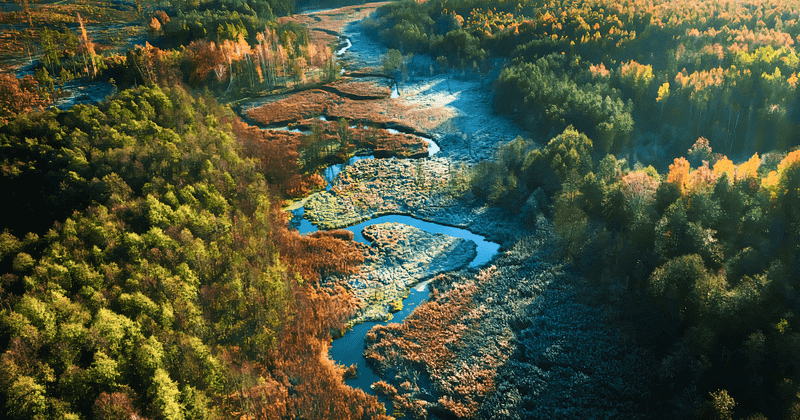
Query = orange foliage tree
x=18 y=96
x=725 y=166
x=702 y=178
x=278 y=156
x=679 y=173
x=204 y=58
x=640 y=188
x=321 y=253
x=297 y=379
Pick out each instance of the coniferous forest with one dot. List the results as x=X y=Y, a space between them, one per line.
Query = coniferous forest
x=149 y=268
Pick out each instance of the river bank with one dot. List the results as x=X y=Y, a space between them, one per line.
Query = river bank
x=455 y=108
x=433 y=189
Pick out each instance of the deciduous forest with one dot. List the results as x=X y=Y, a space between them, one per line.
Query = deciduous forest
x=147 y=269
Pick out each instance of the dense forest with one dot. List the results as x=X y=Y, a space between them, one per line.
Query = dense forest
x=150 y=273
x=702 y=257
x=634 y=76
x=147 y=270
x=235 y=49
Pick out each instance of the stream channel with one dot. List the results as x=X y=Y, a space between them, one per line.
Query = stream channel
x=349 y=349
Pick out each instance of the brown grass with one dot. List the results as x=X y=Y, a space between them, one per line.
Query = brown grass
x=302 y=108
x=294 y=108
x=369 y=89
x=430 y=338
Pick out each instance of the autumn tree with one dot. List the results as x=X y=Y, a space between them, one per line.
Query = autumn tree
x=637 y=77
x=18 y=96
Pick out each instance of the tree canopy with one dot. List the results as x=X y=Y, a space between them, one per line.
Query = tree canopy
x=147 y=271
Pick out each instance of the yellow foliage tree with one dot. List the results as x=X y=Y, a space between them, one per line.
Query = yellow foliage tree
x=770 y=183
x=663 y=92
x=725 y=166
x=679 y=173
x=749 y=169
x=637 y=76
x=776 y=182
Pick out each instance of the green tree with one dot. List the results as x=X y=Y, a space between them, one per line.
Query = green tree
x=720 y=407
x=569 y=152
x=672 y=285
x=166 y=396
x=343 y=130
x=26 y=399
x=675 y=235
x=392 y=61
x=570 y=220
x=104 y=372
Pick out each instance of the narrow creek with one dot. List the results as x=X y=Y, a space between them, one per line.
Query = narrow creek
x=349 y=349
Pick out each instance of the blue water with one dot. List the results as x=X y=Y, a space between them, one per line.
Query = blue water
x=349 y=349
x=347 y=46
x=331 y=172
x=486 y=249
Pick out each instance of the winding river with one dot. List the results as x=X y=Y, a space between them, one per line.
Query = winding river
x=349 y=349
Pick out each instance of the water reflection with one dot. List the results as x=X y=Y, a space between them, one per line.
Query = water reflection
x=344 y=49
